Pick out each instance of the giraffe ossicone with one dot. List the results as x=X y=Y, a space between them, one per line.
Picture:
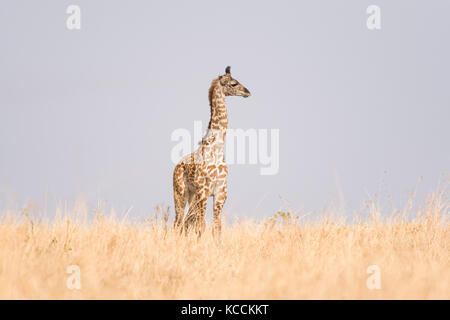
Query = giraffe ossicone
x=203 y=173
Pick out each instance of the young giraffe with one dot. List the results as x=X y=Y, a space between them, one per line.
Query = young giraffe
x=203 y=173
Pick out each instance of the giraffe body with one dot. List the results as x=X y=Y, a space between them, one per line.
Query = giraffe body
x=203 y=173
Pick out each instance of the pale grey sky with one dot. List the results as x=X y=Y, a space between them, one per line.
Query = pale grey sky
x=89 y=113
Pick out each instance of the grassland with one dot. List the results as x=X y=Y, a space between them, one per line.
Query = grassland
x=284 y=257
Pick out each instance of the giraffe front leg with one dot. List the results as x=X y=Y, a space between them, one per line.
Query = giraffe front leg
x=219 y=201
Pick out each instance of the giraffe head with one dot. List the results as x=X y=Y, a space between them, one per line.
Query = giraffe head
x=232 y=87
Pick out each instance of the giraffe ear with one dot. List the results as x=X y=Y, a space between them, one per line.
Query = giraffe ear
x=228 y=69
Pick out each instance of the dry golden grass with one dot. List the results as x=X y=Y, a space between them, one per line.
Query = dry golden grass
x=284 y=259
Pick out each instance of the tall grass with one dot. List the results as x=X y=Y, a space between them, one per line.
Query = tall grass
x=284 y=257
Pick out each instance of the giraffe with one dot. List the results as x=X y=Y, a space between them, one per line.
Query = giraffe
x=203 y=173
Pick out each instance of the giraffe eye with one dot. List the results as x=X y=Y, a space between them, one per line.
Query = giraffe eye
x=234 y=84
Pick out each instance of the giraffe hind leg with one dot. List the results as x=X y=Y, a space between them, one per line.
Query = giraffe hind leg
x=179 y=195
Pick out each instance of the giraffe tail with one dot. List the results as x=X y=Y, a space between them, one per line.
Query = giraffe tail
x=192 y=213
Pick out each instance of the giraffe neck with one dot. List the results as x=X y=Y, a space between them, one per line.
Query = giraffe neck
x=218 y=122
x=219 y=117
